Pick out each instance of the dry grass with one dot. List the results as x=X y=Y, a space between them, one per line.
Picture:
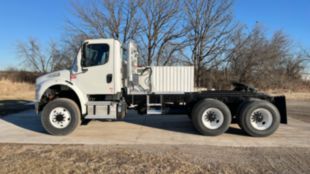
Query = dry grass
x=290 y=95
x=16 y=90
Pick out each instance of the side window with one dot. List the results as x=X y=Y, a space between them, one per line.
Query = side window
x=95 y=54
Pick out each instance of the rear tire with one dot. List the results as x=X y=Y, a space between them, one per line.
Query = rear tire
x=60 y=116
x=211 y=117
x=259 y=118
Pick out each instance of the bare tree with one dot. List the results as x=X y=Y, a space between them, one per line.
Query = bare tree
x=61 y=57
x=161 y=31
x=303 y=56
x=116 y=19
x=156 y=22
x=210 y=26
x=264 y=62
x=196 y=32
x=33 y=56
x=37 y=59
x=293 y=68
x=246 y=53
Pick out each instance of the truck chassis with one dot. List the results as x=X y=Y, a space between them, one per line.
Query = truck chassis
x=228 y=103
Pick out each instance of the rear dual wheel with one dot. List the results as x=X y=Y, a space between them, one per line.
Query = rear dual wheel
x=259 y=118
x=211 y=117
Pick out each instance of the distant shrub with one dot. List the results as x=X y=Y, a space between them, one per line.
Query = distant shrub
x=19 y=76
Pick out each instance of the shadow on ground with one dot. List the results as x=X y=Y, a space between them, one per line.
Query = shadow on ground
x=14 y=106
x=20 y=113
x=175 y=123
x=30 y=121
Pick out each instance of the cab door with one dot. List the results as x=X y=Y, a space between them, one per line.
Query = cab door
x=96 y=74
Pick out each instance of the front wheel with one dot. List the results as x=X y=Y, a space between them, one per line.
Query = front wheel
x=60 y=116
x=211 y=117
x=259 y=118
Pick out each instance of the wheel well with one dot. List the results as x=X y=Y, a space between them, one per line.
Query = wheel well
x=58 y=91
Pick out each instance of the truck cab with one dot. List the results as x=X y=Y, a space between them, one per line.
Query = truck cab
x=105 y=81
x=98 y=68
x=96 y=71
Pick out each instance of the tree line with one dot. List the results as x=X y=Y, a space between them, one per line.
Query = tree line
x=201 y=33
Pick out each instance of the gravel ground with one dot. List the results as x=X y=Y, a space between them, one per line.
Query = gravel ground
x=151 y=159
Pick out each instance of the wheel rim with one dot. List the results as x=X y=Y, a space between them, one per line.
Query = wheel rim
x=261 y=119
x=212 y=118
x=60 y=117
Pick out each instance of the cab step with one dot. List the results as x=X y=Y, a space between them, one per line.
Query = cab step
x=154 y=108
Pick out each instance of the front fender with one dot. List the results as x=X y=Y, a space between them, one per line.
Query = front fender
x=41 y=88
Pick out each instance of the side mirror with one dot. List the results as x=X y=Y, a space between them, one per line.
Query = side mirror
x=83 y=54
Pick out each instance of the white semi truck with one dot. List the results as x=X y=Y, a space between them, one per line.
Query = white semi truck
x=105 y=81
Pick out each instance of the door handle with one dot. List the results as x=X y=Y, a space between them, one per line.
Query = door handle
x=109 y=78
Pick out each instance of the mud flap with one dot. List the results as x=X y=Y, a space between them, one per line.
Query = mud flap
x=280 y=103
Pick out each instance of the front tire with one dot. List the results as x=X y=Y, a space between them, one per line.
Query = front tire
x=211 y=117
x=259 y=118
x=60 y=116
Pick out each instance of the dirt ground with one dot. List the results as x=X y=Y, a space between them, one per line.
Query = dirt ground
x=151 y=159
x=299 y=109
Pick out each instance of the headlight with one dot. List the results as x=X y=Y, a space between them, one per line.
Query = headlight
x=56 y=74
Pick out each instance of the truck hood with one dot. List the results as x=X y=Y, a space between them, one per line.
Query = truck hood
x=61 y=75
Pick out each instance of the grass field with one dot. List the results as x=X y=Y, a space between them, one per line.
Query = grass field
x=16 y=90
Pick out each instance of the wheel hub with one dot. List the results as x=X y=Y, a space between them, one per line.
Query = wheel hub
x=212 y=118
x=60 y=117
x=258 y=117
x=261 y=119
